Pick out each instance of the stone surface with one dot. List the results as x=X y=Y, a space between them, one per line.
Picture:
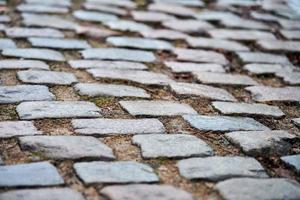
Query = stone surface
x=164 y=34
x=94 y=90
x=188 y=26
x=1 y=161
x=139 y=43
x=148 y=16
x=115 y=172
x=183 y=67
x=147 y=192
x=23 y=64
x=32 y=174
x=7 y=44
x=259 y=57
x=126 y=25
x=87 y=64
x=218 y=168
x=291 y=34
x=257 y=68
x=42 y=194
x=292 y=161
x=20 y=32
x=67 y=147
x=57 y=109
x=266 y=93
x=61 y=3
x=156 y=108
x=244 y=35
x=224 y=79
x=119 y=54
x=259 y=189
x=190 y=3
x=143 y=77
x=171 y=146
x=124 y=4
x=261 y=143
x=37 y=8
x=203 y=91
x=223 y=123
x=107 y=127
x=95 y=32
x=229 y=108
x=200 y=56
x=279 y=45
x=34 y=53
x=17 y=128
x=94 y=16
x=244 y=23
x=47 y=77
x=59 y=43
x=174 y=9
x=19 y=93
x=296 y=121
x=105 y=8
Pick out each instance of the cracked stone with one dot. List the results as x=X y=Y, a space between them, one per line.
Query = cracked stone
x=10 y=129
x=34 y=53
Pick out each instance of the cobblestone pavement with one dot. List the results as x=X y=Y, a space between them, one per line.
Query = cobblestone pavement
x=149 y=100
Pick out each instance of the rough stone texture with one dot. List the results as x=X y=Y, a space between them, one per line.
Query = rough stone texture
x=203 y=91
x=67 y=147
x=57 y=109
x=41 y=54
x=173 y=9
x=124 y=4
x=289 y=77
x=32 y=174
x=257 y=68
x=19 y=32
x=86 y=64
x=291 y=34
x=259 y=57
x=190 y=3
x=23 y=64
x=17 y=128
x=171 y=146
x=139 y=43
x=105 y=8
x=218 y=168
x=248 y=109
x=126 y=25
x=164 y=34
x=261 y=143
x=200 y=56
x=7 y=43
x=222 y=123
x=61 y=3
x=95 y=89
x=292 y=161
x=94 y=16
x=107 y=127
x=279 y=45
x=119 y=54
x=259 y=189
x=59 y=43
x=42 y=194
x=143 y=77
x=95 y=32
x=147 y=16
x=47 y=77
x=19 y=93
x=244 y=23
x=115 y=172
x=244 y=35
x=297 y=121
x=147 y=192
x=183 y=67
x=188 y=26
x=36 y=8
x=224 y=79
x=156 y=108
x=266 y=93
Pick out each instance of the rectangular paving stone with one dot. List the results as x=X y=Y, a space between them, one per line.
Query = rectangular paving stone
x=173 y=9
x=213 y=15
x=17 y=128
x=210 y=43
x=224 y=79
x=259 y=189
x=292 y=161
x=156 y=108
x=93 y=16
x=242 y=3
x=171 y=146
x=219 y=168
x=188 y=26
x=61 y=3
x=23 y=64
x=258 y=68
x=223 y=123
x=95 y=32
x=125 y=4
x=289 y=76
x=107 y=127
x=164 y=34
x=105 y=8
x=145 y=191
x=86 y=64
x=203 y=91
x=31 y=174
x=4 y=18
x=119 y=54
x=142 y=77
x=279 y=45
x=184 y=67
x=47 y=77
x=95 y=89
x=259 y=57
x=230 y=108
x=200 y=56
x=139 y=43
x=240 y=34
x=39 y=194
x=261 y=143
x=57 y=109
x=39 y=8
x=296 y=121
x=34 y=53
x=115 y=172
x=59 y=43
x=266 y=93
x=190 y=3
x=20 y=93
x=7 y=44
x=150 y=16
x=245 y=23
x=291 y=34
x=127 y=25
x=67 y=147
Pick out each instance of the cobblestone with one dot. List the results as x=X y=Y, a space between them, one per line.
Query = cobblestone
x=17 y=128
